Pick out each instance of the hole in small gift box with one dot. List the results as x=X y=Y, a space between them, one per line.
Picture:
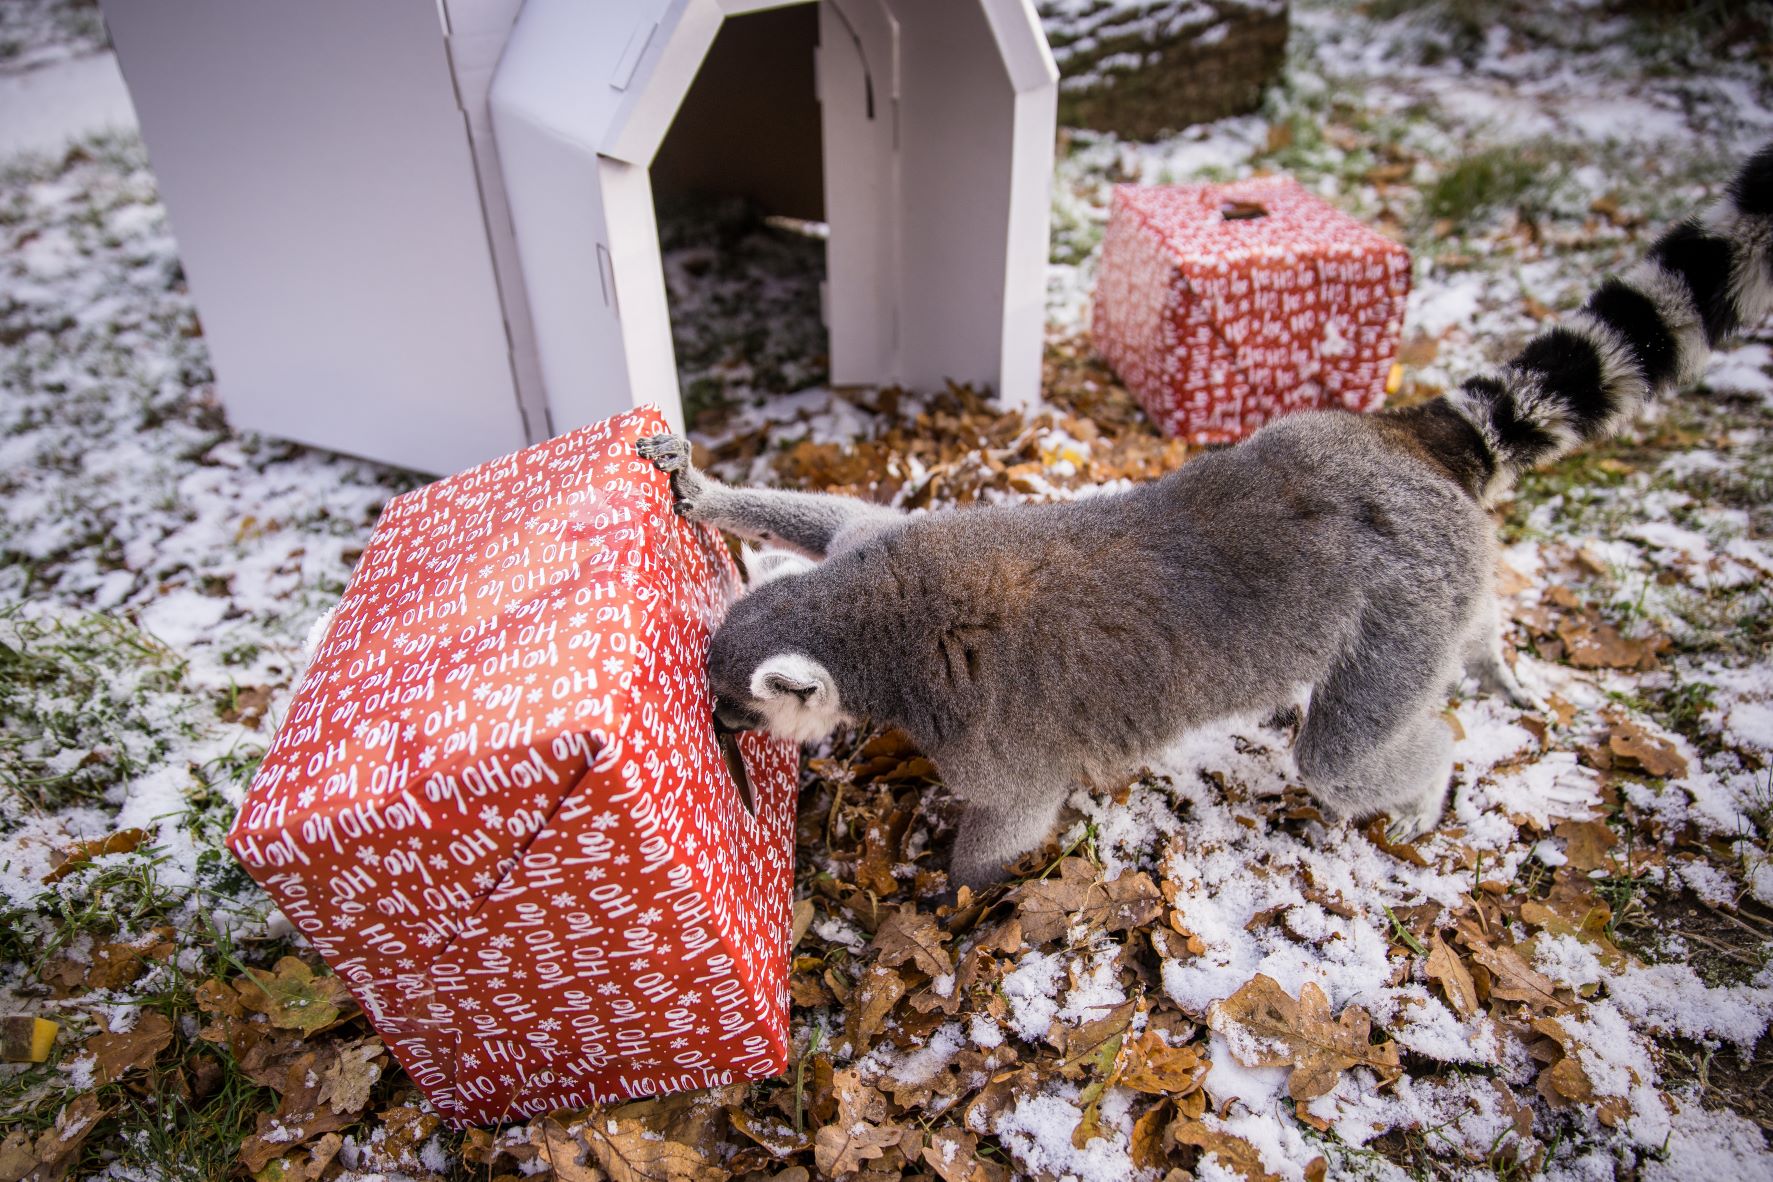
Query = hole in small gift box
x=735 y=767
x=1241 y=211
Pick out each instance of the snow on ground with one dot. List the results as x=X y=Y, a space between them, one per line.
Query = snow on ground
x=158 y=573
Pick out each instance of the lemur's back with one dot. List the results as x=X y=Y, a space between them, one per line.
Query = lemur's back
x=1220 y=588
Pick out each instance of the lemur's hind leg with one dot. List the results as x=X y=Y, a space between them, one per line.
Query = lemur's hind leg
x=1374 y=741
x=1484 y=660
x=815 y=524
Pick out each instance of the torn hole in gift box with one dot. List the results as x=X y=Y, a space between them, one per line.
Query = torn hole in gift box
x=1241 y=211
x=735 y=767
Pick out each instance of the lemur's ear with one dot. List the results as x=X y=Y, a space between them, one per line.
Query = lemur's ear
x=797 y=697
x=764 y=566
x=791 y=674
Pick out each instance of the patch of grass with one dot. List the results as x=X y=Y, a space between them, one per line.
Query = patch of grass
x=1486 y=181
x=86 y=702
x=172 y=1133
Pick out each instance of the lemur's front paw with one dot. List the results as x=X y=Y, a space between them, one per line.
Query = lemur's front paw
x=1411 y=822
x=670 y=454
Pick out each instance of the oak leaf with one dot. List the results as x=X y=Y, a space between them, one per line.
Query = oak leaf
x=293 y=998
x=1146 y=1145
x=911 y=935
x=630 y=1152
x=1591 y=643
x=1586 y=843
x=878 y=992
x=306 y=1165
x=1233 y=1152
x=858 y=1133
x=1633 y=747
x=80 y=853
x=954 y=1155
x=1445 y=969
x=1154 y=1067
x=1512 y=979
x=564 y=1153
x=50 y=1155
x=774 y=1135
x=1266 y=1028
x=1049 y=907
x=1566 y=1083
x=300 y=1116
x=137 y=1047
x=874 y=870
x=347 y=1080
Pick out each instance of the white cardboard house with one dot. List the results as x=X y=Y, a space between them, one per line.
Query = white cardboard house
x=423 y=230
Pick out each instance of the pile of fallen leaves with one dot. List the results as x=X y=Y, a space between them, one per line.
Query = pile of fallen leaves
x=957 y=446
x=284 y=1052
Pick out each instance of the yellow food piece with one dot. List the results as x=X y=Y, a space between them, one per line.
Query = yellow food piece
x=1394 y=381
x=27 y=1040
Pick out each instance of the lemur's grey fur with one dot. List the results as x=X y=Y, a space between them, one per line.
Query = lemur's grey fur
x=1028 y=648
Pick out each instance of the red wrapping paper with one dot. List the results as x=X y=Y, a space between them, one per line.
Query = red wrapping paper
x=1219 y=323
x=497 y=806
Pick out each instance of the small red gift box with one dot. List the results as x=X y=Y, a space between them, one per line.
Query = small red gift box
x=497 y=806
x=1225 y=306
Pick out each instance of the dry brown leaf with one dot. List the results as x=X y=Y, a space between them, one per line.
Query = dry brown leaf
x=564 y=1153
x=874 y=871
x=911 y=935
x=776 y=1136
x=1233 y=1152
x=1150 y=1065
x=346 y=1082
x=1512 y=979
x=306 y=1164
x=81 y=852
x=1267 y=1028
x=51 y=1154
x=1449 y=972
x=1403 y=851
x=293 y=997
x=868 y=1007
x=1634 y=748
x=858 y=1134
x=803 y=919
x=1592 y=643
x=300 y=1117
x=630 y=1152
x=134 y=1048
x=1146 y=1145
x=954 y=1155
x=1586 y=843
x=1048 y=907
x=246 y=706
x=1565 y=1083
x=213 y=997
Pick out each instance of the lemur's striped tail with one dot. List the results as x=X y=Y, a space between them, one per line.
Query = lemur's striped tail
x=1641 y=333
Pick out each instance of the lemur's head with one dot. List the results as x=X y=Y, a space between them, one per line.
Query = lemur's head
x=760 y=672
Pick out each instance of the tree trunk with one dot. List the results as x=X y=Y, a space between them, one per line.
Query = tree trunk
x=1145 y=68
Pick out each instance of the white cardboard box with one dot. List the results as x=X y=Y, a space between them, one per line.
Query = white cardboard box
x=423 y=230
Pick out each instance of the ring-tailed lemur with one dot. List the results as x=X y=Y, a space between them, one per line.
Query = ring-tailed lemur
x=1025 y=648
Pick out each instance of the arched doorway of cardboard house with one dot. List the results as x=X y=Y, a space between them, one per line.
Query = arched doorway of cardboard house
x=738 y=190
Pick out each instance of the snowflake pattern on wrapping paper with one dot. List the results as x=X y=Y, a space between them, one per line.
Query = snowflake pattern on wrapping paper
x=1220 y=323
x=535 y=897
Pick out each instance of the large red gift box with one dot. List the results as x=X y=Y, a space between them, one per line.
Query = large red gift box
x=1225 y=306
x=497 y=806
